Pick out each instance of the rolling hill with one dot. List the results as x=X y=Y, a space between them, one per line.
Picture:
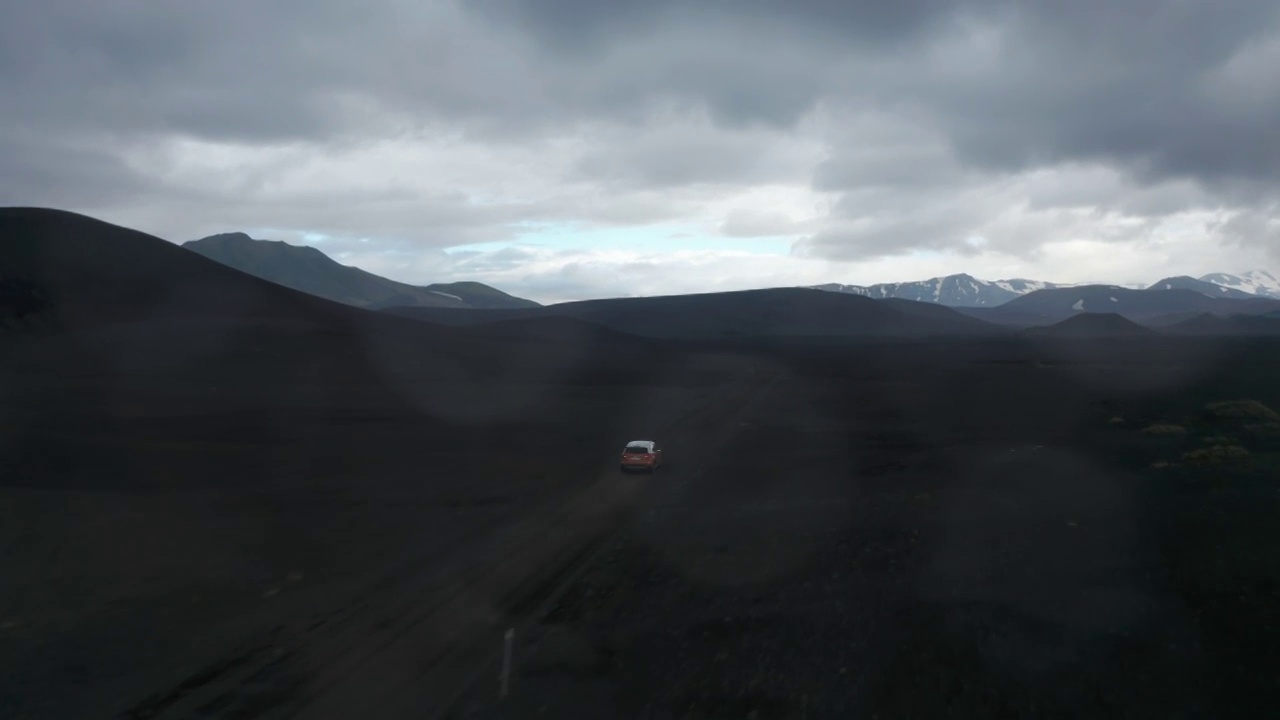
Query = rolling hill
x=84 y=300
x=63 y=271
x=311 y=271
x=1231 y=325
x=779 y=312
x=1091 y=325
x=174 y=426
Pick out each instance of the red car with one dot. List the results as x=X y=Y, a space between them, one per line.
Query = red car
x=641 y=455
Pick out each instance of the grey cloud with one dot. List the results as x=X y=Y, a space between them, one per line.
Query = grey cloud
x=134 y=67
x=576 y=25
x=1126 y=80
x=1255 y=228
x=1094 y=186
x=688 y=150
x=1129 y=83
x=856 y=236
x=669 y=164
x=634 y=208
x=1177 y=101
x=495 y=261
x=43 y=171
x=758 y=223
x=1164 y=199
x=395 y=224
x=872 y=166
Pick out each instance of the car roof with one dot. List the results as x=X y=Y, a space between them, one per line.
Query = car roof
x=646 y=443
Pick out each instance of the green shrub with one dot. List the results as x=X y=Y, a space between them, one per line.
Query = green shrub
x=1216 y=455
x=1267 y=430
x=1242 y=410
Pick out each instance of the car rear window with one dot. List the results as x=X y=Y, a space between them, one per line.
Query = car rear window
x=636 y=450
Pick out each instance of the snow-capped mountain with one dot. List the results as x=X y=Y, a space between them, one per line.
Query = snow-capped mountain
x=1156 y=306
x=953 y=290
x=1254 y=282
x=1204 y=287
x=966 y=291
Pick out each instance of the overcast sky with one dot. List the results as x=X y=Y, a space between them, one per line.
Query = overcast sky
x=565 y=149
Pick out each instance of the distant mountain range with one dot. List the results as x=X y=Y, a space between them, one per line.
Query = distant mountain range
x=66 y=273
x=941 y=305
x=953 y=290
x=966 y=291
x=1154 y=307
x=311 y=271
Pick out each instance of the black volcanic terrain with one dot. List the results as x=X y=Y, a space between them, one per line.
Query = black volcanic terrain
x=1091 y=325
x=1217 y=325
x=224 y=498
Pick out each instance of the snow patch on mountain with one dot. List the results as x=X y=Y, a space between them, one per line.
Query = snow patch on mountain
x=1254 y=282
x=952 y=290
x=963 y=290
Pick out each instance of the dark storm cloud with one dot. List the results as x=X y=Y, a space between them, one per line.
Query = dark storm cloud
x=1258 y=228
x=42 y=170
x=1150 y=85
x=881 y=231
x=570 y=24
x=919 y=103
x=131 y=67
x=1145 y=82
x=690 y=150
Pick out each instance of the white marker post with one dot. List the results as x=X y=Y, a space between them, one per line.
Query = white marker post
x=508 y=641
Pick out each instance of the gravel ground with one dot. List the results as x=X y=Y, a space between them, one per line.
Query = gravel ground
x=836 y=560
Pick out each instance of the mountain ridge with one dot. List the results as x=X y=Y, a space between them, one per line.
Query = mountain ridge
x=1145 y=306
x=309 y=270
x=1253 y=282
x=774 y=312
x=958 y=290
x=1186 y=282
x=962 y=290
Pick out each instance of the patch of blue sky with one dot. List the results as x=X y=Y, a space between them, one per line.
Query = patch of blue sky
x=293 y=236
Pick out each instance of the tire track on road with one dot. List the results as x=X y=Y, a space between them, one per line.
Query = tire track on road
x=725 y=428
x=440 y=627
